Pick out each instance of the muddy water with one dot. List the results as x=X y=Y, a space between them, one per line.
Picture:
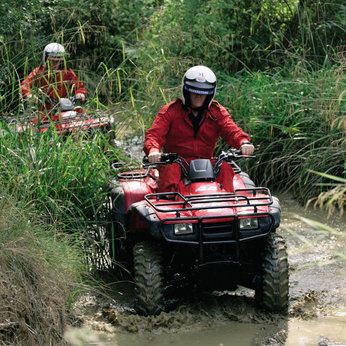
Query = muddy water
x=317 y=311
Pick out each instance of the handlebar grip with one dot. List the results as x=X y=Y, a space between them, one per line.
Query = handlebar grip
x=165 y=158
x=168 y=157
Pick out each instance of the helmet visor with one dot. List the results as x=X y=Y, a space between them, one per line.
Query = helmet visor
x=198 y=91
x=57 y=55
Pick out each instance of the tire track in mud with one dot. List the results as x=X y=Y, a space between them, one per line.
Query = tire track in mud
x=317 y=289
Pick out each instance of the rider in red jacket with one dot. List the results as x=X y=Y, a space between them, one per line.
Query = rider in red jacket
x=191 y=127
x=53 y=79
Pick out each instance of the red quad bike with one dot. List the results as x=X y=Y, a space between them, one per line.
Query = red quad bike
x=66 y=117
x=200 y=236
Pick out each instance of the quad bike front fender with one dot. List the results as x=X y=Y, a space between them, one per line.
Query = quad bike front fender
x=140 y=210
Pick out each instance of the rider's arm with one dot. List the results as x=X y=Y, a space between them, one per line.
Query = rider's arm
x=79 y=89
x=155 y=137
x=232 y=134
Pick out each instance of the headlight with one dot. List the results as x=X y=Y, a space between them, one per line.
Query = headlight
x=183 y=228
x=248 y=223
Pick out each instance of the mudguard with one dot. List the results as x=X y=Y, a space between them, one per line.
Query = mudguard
x=148 y=216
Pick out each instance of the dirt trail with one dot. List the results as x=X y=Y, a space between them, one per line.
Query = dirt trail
x=317 y=313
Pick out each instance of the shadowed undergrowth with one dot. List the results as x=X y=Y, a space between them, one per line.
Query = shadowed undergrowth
x=40 y=271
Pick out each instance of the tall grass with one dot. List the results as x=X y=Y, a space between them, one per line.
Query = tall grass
x=297 y=123
x=64 y=178
x=41 y=270
x=334 y=197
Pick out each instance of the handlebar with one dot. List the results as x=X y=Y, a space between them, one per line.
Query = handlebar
x=169 y=158
x=43 y=98
x=166 y=158
x=233 y=154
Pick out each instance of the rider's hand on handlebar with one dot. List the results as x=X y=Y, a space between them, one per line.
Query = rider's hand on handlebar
x=247 y=149
x=80 y=97
x=154 y=156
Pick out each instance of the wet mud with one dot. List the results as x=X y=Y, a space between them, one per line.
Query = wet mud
x=316 y=316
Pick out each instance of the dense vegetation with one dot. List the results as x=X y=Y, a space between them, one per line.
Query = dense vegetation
x=40 y=272
x=280 y=69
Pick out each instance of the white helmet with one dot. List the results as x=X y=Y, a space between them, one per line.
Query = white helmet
x=54 y=50
x=200 y=80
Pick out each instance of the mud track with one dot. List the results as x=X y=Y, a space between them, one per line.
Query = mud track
x=317 y=292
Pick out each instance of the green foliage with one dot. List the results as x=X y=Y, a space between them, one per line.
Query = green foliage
x=23 y=228
x=317 y=32
x=65 y=179
x=233 y=35
x=296 y=122
x=19 y=16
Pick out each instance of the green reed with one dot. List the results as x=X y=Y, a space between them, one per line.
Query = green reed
x=296 y=123
x=64 y=177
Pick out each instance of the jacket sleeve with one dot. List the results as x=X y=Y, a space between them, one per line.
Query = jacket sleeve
x=29 y=82
x=155 y=137
x=78 y=85
x=232 y=134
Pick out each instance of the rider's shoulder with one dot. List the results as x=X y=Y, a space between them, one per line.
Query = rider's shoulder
x=217 y=109
x=171 y=106
x=37 y=72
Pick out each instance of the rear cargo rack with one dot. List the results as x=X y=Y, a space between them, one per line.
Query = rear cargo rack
x=133 y=175
x=240 y=199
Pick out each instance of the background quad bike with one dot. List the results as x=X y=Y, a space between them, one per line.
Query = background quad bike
x=146 y=257
x=67 y=116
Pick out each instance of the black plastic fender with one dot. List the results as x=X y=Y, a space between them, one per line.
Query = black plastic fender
x=148 y=215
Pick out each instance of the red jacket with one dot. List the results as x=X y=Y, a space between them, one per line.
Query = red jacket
x=60 y=84
x=173 y=131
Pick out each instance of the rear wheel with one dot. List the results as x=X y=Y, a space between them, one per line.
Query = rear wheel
x=272 y=292
x=148 y=276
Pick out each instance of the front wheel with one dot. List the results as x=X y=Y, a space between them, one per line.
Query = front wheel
x=272 y=292
x=148 y=276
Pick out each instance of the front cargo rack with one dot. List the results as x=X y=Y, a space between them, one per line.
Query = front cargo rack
x=241 y=198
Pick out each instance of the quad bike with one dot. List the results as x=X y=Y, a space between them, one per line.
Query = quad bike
x=66 y=116
x=200 y=236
